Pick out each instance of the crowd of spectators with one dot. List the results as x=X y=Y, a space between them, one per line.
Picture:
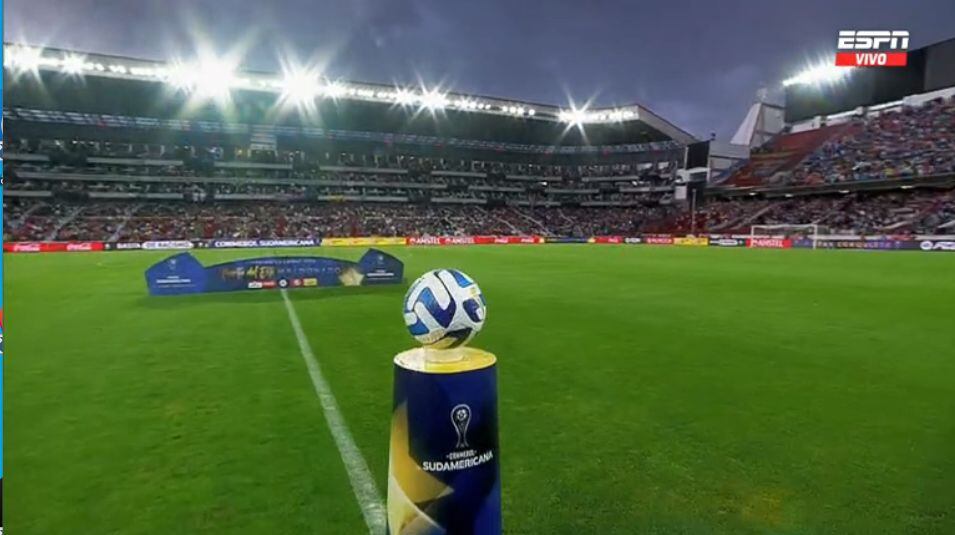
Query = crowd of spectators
x=32 y=221
x=324 y=185
x=919 y=211
x=65 y=220
x=852 y=213
x=911 y=142
x=201 y=161
x=269 y=220
x=189 y=192
x=718 y=215
x=54 y=159
x=888 y=213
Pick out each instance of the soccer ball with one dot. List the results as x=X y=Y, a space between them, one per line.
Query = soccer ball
x=444 y=308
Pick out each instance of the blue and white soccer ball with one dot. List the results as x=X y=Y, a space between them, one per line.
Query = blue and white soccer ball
x=444 y=308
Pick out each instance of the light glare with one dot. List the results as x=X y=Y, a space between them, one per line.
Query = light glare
x=300 y=87
x=25 y=58
x=434 y=100
x=818 y=74
x=73 y=64
x=214 y=79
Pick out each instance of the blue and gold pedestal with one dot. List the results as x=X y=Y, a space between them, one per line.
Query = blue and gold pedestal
x=443 y=475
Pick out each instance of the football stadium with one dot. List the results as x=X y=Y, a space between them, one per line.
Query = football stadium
x=693 y=336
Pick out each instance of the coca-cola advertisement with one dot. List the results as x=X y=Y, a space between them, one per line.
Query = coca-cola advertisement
x=52 y=247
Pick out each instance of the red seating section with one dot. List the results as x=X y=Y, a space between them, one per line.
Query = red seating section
x=782 y=154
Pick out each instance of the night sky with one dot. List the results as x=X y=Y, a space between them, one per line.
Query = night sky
x=697 y=63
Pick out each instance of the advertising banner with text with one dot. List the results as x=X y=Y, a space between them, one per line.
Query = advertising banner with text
x=371 y=241
x=474 y=240
x=726 y=242
x=769 y=243
x=692 y=241
x=53 y=247
x=607 y=239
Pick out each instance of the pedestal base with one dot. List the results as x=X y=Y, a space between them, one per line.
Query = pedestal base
x=443 y=475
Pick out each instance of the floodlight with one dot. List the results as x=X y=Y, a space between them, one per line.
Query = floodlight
x=404 y=97
x=178 y=75
x=818 y=74
x=213 y=78
x=334 y=90
x=165 y=74
x=434 y=100
x=300 y=87
x=25 y=58
x=73 y=64
x=574 y=116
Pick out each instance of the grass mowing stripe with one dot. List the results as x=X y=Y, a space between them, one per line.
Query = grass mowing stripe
x=363 y=484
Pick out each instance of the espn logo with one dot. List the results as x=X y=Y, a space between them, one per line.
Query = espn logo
x=869 y=45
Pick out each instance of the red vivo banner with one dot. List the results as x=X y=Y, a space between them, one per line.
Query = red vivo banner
x=52 y=247
x=871 y=59
x=769 y=243
x=658 y=240
x=608 y=239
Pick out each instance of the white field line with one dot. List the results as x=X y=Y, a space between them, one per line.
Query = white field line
x=362 y=483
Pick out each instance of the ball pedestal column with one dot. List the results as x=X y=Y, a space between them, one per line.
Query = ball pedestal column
x=443 y=474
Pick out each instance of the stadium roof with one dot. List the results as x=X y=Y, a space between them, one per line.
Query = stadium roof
x=212 y=84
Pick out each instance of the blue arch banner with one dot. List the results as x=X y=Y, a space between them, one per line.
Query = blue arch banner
x=184 y=274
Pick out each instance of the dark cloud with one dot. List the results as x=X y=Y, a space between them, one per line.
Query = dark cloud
x=697 y=63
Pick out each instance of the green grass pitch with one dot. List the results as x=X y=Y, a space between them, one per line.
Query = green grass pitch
x=642 y=390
